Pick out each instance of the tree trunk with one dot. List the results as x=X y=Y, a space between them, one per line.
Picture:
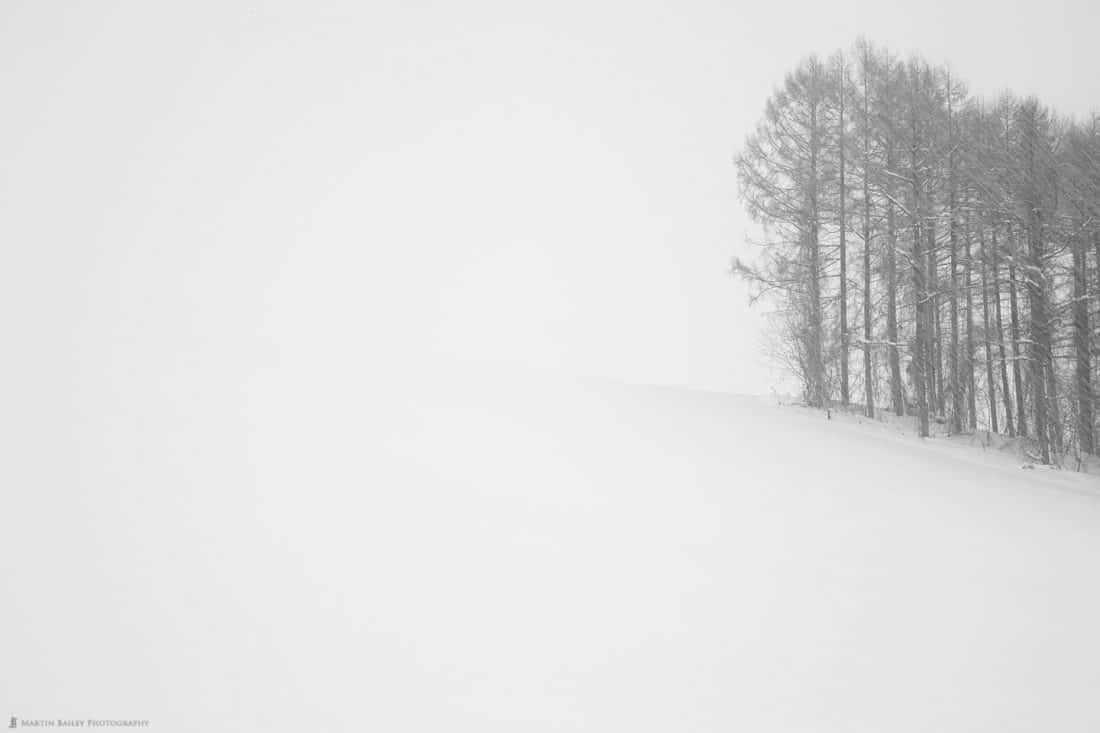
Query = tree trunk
x=920 y=294
x=868 y=377
x=1039 y=346
x=968 y=352
x=935 y=329
x=991 y=385
x=1082 y=333
x=1035 y=280
x=1006 y=393
x=953 y=384
x=844 y=396
x=897 y=395
x=1017 y=377
x=1054 y=410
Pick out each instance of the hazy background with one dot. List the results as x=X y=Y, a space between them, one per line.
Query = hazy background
x=239 y=242
x=297 y=187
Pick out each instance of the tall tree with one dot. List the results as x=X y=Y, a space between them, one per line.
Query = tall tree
x=916 y=142
x=995 y=279
x=991 y=384
x=954 y=385
x=866 y=70
x=780 y=175
x=888 y=122
x=1032 y=120
x=840 y=91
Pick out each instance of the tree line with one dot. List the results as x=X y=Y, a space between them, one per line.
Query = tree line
x=929 y=250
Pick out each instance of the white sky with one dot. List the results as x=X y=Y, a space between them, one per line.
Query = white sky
x=303 y=191
x=232 y=236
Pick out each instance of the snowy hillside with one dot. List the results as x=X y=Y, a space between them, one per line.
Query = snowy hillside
x=528 y=554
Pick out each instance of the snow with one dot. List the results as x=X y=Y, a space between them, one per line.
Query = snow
x=519 y=552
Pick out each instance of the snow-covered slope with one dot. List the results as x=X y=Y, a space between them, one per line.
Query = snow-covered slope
x=528 y=554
